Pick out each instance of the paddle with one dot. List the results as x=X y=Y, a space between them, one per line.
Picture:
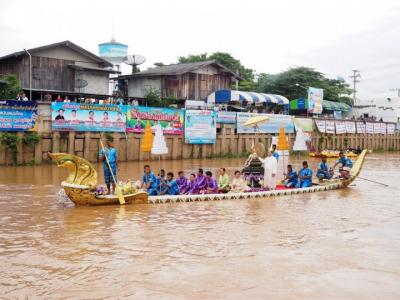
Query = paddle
x=117 y=189
x=373 y=181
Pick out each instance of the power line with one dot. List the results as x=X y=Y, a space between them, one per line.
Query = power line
x=355 y=76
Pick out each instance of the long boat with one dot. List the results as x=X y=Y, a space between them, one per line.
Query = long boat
x=80 y=186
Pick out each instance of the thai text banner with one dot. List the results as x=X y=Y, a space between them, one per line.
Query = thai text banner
x=18 y=115
x=272 y=125
x=171 y=120
x=200 y=127
x=226 y=117
x=87 y=117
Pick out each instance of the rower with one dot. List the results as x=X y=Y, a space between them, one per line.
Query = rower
x=305 y=176
x=345 y=165
x=323 y=171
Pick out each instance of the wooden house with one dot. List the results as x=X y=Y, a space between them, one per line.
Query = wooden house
x=61 y=68
x=185 y=81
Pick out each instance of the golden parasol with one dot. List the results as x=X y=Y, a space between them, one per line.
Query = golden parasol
x=254 y=121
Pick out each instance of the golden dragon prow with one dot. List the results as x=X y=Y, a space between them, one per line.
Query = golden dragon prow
x=80 y=185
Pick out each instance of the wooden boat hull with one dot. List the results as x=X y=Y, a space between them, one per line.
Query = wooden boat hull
x=82 y=195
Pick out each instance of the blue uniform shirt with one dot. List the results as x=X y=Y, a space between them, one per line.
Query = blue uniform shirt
x=276 y=155
x=173 y=187
x=323 y=167
x=292 y=177
x=306 y=172
x=111 y=155
x=346 y=162
x=146 y=178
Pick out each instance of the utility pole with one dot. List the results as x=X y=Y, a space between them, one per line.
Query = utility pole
x=396 y=90
x=355 y=76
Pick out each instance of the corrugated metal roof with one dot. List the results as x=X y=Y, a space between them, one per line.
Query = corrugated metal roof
x=66 y=44
x=178 y=69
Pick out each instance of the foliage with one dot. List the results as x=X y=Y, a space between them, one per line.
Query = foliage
x=284 y=83
x=223 y=58
x=31 y=138
x=10 y=90
x=10 y=142
x=153 y=97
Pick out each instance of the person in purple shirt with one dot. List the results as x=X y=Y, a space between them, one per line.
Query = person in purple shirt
x=191 y=186
x=183 y=182
x=212 y=186
x=200 y=182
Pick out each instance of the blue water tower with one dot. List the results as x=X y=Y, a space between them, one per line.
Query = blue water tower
x=113 y=51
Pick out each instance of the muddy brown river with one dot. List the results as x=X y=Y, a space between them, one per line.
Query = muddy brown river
x=342 y=244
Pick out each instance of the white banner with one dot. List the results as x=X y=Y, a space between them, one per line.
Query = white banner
x=350 y=127
x=330 y=127
x=383 y=128
x=321 y=125
x=315 y=98
x=370 y=128
x=390 y=128
x=360 y=127
x=340 y=127
x=377 y=128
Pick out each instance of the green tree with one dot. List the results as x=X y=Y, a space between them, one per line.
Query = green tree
x=193 y=58
x=223 y=58
x=11 y=88
x=284 y=83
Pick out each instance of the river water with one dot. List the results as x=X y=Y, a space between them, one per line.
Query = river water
x=342 y=244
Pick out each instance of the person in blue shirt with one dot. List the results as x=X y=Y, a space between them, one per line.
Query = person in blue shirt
x=275 y=153
x=160 y=178
x=169 y=186
x=150 y=182
x=291 y=178
x=305 y=176
x=323 y=171
x=345 y=165
x=111 y=170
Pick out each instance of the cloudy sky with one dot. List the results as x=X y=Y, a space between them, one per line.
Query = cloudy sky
x=269 y=36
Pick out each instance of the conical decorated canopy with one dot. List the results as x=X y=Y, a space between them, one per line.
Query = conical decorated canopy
x=147 y=142
x=159 y=143
x=300 y=141
x=282 y=141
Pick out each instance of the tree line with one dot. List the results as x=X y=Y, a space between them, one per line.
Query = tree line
x=283 y=83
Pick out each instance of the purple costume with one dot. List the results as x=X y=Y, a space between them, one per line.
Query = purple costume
x=183 y=184
x=212 y=186
x=191 y=187
x=200 y=183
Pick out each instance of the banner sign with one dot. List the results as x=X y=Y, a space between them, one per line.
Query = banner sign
x=377 y=128
x=337 y=114
x=272 y=125
x=320 y=125
x=315 y=98
x=390 y=128
x=383 y=128
x=18 y=115
x=171 y=120
x=340 y=127
x=226 y=117
x=87 y=117
x=330 y=127
x=350 y=127
x=361 y=127
x=200 y=127
x=370 y=128
x=305 y=124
